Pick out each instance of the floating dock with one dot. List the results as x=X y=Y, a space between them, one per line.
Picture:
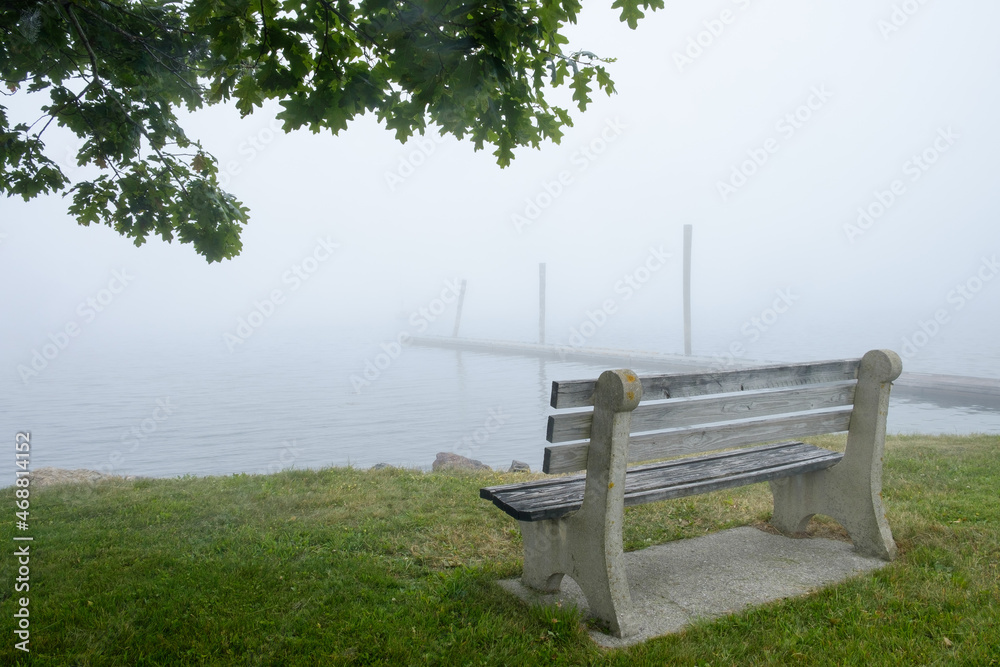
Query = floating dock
x=598 y=355
x=951 y=390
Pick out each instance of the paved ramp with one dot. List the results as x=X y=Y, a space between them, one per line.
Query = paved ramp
x=719 y=574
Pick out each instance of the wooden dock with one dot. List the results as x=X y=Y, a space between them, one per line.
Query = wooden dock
x=592 y=355
x=950 y=390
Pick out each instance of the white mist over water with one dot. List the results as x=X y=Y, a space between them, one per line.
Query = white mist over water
x=285 y=404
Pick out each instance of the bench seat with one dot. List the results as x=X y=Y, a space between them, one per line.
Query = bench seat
x=554 y=498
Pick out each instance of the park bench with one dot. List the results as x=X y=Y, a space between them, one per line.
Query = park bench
x=572 y=525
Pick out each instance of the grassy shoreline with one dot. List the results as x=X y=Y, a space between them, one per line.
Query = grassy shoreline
x=396 y=566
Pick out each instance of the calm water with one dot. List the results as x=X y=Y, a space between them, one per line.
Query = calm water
x=206 y=411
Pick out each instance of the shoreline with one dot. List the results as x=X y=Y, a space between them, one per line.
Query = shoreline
x=52 y=476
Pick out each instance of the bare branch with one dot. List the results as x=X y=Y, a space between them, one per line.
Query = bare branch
x=150 y=21
x=86 y=43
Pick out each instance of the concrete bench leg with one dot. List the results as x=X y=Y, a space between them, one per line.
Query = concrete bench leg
x=859 y=510
x=599 y=568
x=544 y=554
x=590 y=553
x=851 y=491
x=795 y=502
x=587 y=545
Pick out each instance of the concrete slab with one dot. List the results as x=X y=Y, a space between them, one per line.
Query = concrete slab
x=716 y=575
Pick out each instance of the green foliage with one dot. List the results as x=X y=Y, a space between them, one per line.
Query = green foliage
x=116 y=71
x=631 y=12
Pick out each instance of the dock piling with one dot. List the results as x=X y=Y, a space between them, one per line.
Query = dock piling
x=541 y=303
x=687 y=290
x=458 y=312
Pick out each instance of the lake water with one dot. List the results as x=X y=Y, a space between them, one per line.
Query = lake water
x=204 y=411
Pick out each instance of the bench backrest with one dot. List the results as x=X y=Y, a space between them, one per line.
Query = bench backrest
x=689 y=413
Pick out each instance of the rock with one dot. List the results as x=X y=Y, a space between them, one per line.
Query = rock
x=519 y=466
x=49 y=476
x=449 y=461
x=380 y=466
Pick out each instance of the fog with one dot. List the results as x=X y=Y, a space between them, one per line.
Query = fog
x=767 y=128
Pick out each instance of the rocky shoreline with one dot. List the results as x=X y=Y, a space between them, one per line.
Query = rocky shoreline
x=450 y=461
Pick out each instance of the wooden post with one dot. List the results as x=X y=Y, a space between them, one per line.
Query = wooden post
x=458 y=313
x=541 y=303
x=687 y=290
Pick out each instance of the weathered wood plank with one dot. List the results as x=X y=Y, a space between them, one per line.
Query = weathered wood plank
x=710 y=409
x=547 y=499
x=693 y=440
x=580 y=393
x=734 y=480
x=658 y=481
x=721 y=464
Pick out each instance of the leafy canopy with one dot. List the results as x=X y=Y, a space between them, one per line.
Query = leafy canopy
x=115 y=71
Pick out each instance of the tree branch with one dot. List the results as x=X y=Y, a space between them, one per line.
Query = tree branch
x=151 y=50
x=86 y=43
x=150 y=21
x=350 y=24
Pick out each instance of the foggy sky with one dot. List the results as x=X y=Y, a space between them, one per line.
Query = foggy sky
x=832 y=104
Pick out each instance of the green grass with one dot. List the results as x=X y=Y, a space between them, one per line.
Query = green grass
x=344 y=566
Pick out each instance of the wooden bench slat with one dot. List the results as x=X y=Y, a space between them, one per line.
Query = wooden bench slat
x=693 y=440
x=548 y=499
x=641 y=477
x=580 y=393
x=736 y=479
x=723 y=464
x=710 y=409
